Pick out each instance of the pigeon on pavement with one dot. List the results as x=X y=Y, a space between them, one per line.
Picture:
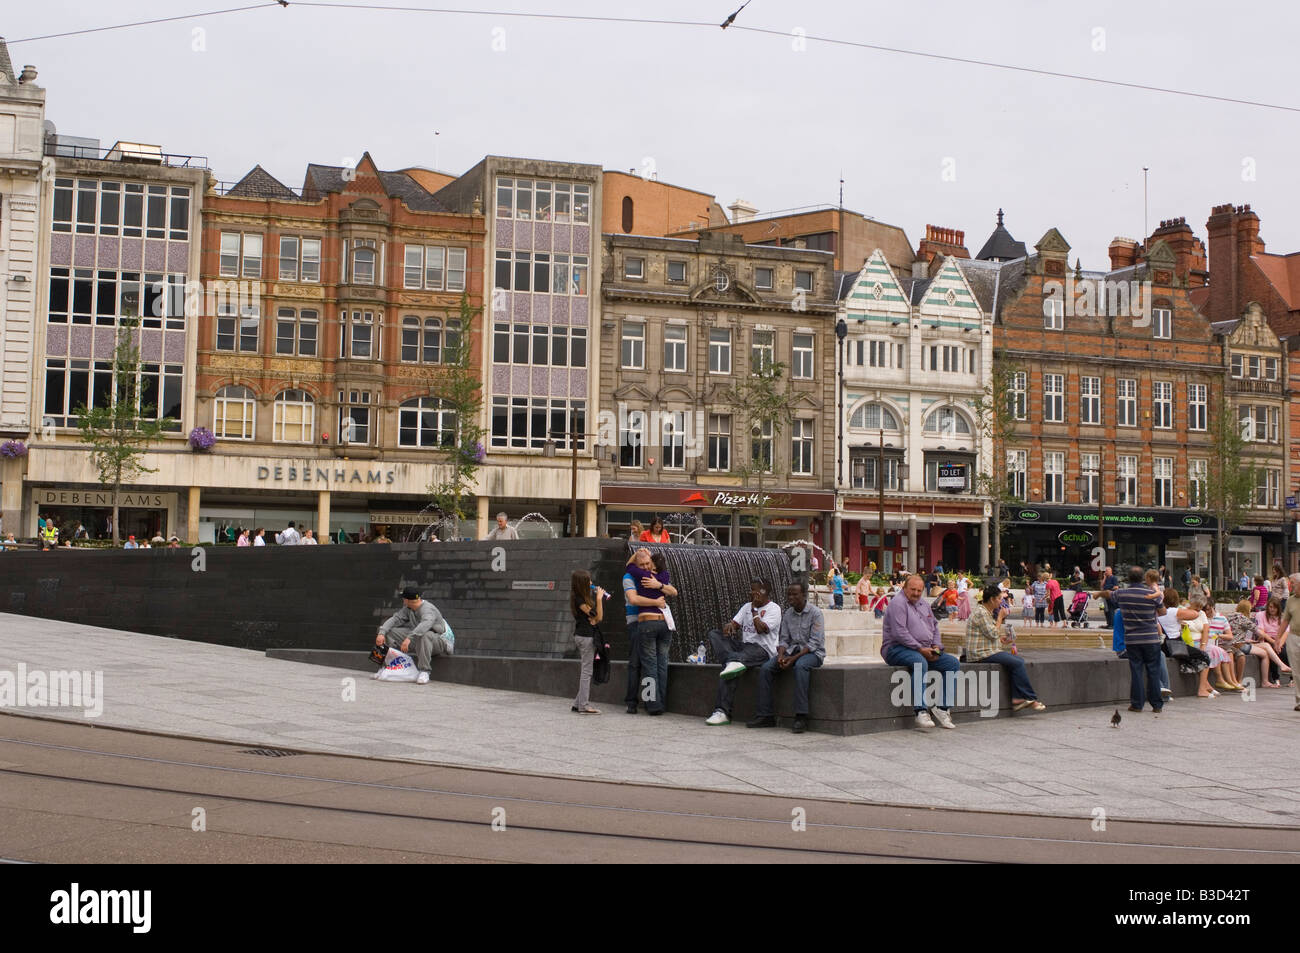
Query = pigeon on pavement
x=1114 y=719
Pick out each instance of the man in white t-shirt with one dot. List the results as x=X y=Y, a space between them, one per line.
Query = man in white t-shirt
x=746 y=642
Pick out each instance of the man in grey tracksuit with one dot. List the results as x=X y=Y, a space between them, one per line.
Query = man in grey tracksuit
x=418 y=629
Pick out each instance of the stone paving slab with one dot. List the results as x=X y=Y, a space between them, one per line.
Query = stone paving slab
x=1063 y=762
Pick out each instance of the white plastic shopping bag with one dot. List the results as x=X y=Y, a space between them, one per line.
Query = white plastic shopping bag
x=398 y=667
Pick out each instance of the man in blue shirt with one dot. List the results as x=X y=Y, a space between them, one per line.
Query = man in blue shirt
x=632 y=605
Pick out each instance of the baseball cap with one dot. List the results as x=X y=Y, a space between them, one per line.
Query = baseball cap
x=130 y=537
x=410 y=592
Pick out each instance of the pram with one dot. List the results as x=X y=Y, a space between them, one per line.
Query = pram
x=1079 y=610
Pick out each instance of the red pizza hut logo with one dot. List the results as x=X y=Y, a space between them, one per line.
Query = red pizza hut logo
x=696 y=497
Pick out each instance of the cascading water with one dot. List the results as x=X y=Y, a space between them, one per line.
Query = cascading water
x=712 y=582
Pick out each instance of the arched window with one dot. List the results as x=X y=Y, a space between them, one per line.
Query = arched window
x=410 y=339
x=295 y=417
x=451 y=352
x=432 y=340
x=233 y=413
x=426 y=422
x=873 y=417
x=947 y=422
x=627 y=213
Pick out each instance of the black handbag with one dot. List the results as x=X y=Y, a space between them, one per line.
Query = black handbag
x=600 y=664
x=1177 y=648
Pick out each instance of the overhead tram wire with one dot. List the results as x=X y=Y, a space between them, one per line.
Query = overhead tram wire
x=710 y=24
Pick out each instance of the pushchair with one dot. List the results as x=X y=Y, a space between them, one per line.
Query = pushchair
x=1079 y=610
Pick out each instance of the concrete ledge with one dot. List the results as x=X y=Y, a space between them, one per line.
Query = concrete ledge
x=845 y=699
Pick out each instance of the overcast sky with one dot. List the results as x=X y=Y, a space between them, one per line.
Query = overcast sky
x=730 y=113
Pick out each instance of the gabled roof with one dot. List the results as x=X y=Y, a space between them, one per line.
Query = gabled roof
x=322 y=180
x=844 y=283
x=1283 y=273
x=1001 y=245
x=982 y=278
x=6 y=64
x=260 y=184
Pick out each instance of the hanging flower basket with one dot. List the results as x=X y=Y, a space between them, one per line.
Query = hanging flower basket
x=13 y=449
x=477 y=453
x=202 y=439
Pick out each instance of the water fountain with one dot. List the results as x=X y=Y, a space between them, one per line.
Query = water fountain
x=706 y=531
x=534 y=517
x=712 y=583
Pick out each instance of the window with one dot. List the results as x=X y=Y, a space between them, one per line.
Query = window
x=634 y=268
x=1196 y=406
x=1268 y=481
x=1198 y=475
x=1270 y=368
x=762 y=352
x=719 y=350
x=525 y=344
x=1259 y=424
x=801 y=354
x=295 y=417
x=237 y=329
x=1162 y=404
x=70 y=384
x=422 y=341
x=719 y=442
x=295 y=332
x=628 y=218
x=229 y=264
x=354 y=417
x=1090 y=400
x=527 y=422
x=232 y=417
x=801 y=448
x=676 y=272
x=288 y=258
x=1128 y=472
x=947 y=422
x=112 y=208
x=358 y=338
x=864 y=471
x=880 y=354
x=1053 y=314
x=413 y=267
x=674 y=347
x=803 y=280
x=1017 y=467
x=760 y=446
x=1053 y=477
x=527 y=200
x=634 y=345
x=311 y=259
x=932 y=475
x=873 y=417
x=1162 y=322
x=1236 y=365
x=763 y=279
x=363 y=265
x=526 y=271
x=631 y=438
x=1054 y=398
x=674 y=436
x=941 y=357
x=1126 y=412
x=1090 y=469
x=1252 y=366
x=1162 y=478
x=1017 y=396
x=426 y=422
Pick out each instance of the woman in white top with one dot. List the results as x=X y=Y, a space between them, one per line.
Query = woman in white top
x=1171 y=624
x=1196 y=625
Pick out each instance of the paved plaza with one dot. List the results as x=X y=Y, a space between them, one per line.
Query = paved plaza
x=1221 y=760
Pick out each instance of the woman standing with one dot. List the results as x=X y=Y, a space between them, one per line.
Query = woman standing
x=1040 y=599
x=984 y=643
x=1279 y=588
x=656 y=533
x=1056 y=600
x=587 y=603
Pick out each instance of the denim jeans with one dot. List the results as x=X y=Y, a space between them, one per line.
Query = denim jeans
x=655 y=639
x=633 y=663
x=901 y=656
x=730 y=648
x=1145 y=659
x=803 y=667
x=1015 y=666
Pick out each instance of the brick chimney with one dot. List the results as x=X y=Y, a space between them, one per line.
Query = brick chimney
x=1189 y=251
x=949 y=242
x=1123 y=253
x=1234 y=238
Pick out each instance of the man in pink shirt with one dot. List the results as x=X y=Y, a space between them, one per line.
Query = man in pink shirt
x=910 y=639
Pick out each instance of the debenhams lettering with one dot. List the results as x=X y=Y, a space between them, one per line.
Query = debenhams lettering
x=331 y=475
x=99 y=498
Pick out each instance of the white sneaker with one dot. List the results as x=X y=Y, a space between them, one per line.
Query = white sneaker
x=1166 y=693
x=719 y=717
x=924 y=721
x=732 y=670
x=423 y=679
x=942 y=717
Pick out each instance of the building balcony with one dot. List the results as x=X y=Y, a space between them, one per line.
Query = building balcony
x=1249 y=385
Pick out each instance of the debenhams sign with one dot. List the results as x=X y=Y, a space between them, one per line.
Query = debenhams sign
x=332 y=476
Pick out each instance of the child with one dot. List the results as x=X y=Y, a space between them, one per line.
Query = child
x=586 y=602
x=837 y=587
x=1215 y=639
x=881 y=604
x=1027 y=613
x=864 y=592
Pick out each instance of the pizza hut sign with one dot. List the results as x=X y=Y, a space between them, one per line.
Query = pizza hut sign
x=723 y=498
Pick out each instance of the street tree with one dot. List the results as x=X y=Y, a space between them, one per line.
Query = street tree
x=1230 y=480
x=460 y=391
x=764 y=399
x=997 y=411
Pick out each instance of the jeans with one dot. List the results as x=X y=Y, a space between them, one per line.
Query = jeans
x=633 y=663
x=730 y=648
x=655 y=639
x=587 y=652
x=803 y=667
x=1015 y=666
x=902 y=656
x=1164 y=674
x=839 y=600
x=1145 y=658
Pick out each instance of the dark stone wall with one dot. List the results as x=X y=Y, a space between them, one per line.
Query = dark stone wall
x=324 y=597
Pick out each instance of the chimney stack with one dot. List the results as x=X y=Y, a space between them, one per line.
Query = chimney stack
x=940 y=241
x=1189 y=251
x=1123 y=253
x=741 y=211
x=1234 y=238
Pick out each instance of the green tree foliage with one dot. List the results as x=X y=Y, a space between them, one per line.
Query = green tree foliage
x=461 y=391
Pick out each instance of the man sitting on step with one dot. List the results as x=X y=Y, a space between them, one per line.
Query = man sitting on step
x=745 y=642
x=417 y=629
x=800 y=649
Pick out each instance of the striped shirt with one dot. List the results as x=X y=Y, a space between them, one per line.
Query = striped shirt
x=1139 y=610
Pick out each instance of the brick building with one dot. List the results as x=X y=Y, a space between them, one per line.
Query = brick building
x=682 y=321
x=1116 y=375
x=642 y=205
